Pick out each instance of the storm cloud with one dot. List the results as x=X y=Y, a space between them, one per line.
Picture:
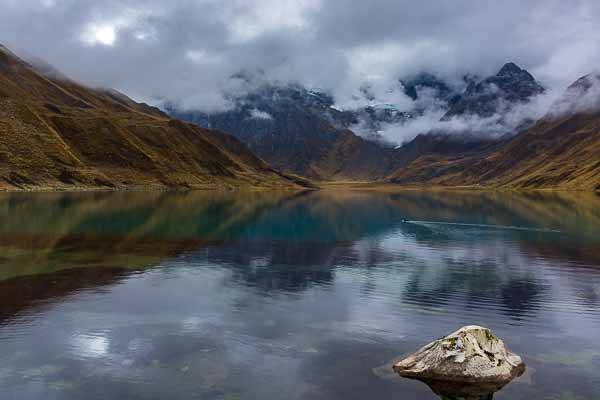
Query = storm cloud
x=188 y=50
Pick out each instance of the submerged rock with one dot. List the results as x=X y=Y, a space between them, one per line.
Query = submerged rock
x=471 y=355
x=462 y=391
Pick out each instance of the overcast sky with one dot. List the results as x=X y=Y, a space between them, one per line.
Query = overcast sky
x=187 y=49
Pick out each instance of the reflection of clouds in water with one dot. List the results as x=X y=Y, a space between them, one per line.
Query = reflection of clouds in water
x=393 y=284
x=5 y=372
x=370 y=316
x=200 y=324
x=485 y=280
x=430 y=251
x=140 y=346
x=277 y=317
x=258 y=262
x=90 y=346
x=223 y=324
x=191 y=323
x=409 y=250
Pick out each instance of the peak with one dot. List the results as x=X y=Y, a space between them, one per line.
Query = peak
x=510 y=69
x=581 y=96
x=425 y=80
x=585 y=82
x=421 y=78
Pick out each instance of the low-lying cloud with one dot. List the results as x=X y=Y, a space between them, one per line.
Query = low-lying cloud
x=258 y=114
x=582 y=96
x=511 y=119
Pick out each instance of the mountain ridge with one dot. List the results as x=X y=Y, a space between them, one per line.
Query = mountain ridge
x=510 y=86
x=300 y=132
x=58 y=134
x=557 y=152
x=303 y=132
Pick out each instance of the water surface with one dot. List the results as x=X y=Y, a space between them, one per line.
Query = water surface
x=213 y=295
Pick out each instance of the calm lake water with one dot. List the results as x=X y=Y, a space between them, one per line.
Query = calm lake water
x=209 y=295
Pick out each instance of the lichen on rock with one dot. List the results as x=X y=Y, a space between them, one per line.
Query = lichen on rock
x=471 y=355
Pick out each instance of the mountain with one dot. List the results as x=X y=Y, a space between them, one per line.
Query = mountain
x=562 y=150
x=486 y=100
x=303 y=132
x=415 y=86
x=58 y=134
x=496 y=94
x=299 y=131
x=444 y=144
x=582 y=95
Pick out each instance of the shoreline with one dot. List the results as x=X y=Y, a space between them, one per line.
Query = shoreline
x=318 y=186
x=133 y=189
x=392 y=187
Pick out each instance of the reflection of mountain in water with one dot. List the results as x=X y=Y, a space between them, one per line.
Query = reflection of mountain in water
x=57 y=244
x=47 y=232
x=36 y=292
x=289 y=242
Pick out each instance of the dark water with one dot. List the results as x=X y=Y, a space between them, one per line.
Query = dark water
x=279 y=296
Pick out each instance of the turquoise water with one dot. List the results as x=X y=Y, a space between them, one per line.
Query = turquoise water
x=298 y=296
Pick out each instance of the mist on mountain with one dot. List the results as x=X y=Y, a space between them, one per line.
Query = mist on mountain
x=582 y=96
x=492 y=107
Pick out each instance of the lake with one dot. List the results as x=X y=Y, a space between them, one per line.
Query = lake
x=211 y=295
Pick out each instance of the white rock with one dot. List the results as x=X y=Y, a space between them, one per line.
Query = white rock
x=472 y=355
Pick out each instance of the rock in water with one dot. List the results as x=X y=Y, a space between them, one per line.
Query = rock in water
x=471 y=355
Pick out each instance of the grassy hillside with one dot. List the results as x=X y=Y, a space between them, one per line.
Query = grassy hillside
x=58 y=134
x=556 y=153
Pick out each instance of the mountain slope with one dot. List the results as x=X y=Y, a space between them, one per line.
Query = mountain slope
x=495 y=94
x=559 y=151
x=299 y=131
x=433 y=156
x=55 y=133
x=425 y=81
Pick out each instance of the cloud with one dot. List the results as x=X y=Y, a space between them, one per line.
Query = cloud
x=582 y=96
x=510 y=121
x=187 y=50
x=258 y=114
